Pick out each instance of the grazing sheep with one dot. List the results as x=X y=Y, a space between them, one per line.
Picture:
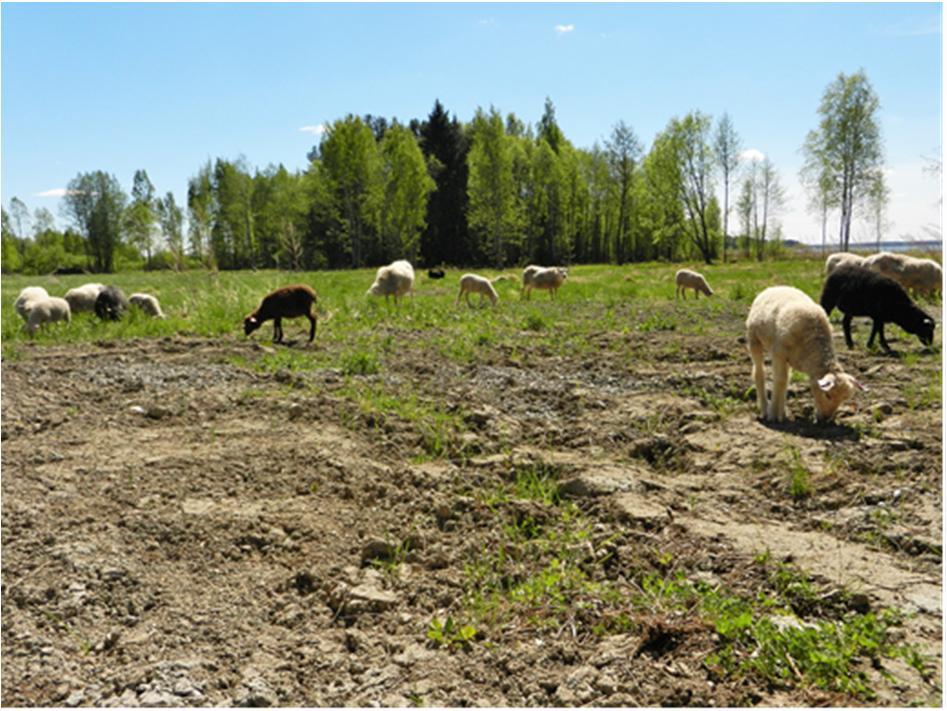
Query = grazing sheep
x=147 y=303
x=858 y=291
x=924 y=276
x=25 y=299
x=473 y=283
x=833 y=261
x=48 y=310
x=286 y=302
x=82 y=298
x=397 y=279
x=435 y=273
x=550 y=278
x=796 y=331
x=687 y=279
x=111 y=303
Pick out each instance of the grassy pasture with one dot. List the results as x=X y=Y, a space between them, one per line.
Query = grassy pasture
x=214 y=304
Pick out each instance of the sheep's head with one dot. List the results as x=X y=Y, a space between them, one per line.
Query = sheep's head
x=250 y=324
x=831 y=390
x=925 y=330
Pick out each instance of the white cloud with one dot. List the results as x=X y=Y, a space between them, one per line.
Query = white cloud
x=316 y=130
x=752 y=154
x=56 y=193
x=563 y=29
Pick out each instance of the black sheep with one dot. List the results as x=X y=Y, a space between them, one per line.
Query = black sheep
x=111 y=303
x=286 y=302
x=858 y=291
x=435 y=273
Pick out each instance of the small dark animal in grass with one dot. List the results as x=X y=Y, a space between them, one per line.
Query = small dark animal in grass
x=858 y=291
x=286 y=302
x=111 y=303
x=435 y=273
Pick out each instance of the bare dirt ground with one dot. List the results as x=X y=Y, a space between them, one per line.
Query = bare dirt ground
x=180 y=530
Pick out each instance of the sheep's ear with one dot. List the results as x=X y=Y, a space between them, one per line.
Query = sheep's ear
x=827 y=383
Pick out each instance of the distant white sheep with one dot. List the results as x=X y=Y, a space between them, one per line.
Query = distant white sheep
x=48 y=310
x=923 y=276
x=834 y=261
x=550 y=278
x=795 y=330
x=473 y=283
x=687 y=279
x=82 y=298
x=26 y=297
x=147 y=303
x=397 y=279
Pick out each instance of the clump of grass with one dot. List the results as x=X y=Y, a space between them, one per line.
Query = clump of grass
x=657 y=322
x=535 y=322
x=450 y=633
x=800 y=478
x=360 y=363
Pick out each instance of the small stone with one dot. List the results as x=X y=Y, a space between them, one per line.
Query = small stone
x=377 y=549
x=157 y=412
x=156 y=697
x=295 y=411
x=74 y=699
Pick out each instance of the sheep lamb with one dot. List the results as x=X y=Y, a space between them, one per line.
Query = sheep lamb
x=687 y=279
x=286 y=302
x=111 y=303
x=82 y=298
x=147 y=303
x=796 y=332
x=550 y=278
x=48 y=310
x=834 y=261
x=396 y=279
x=858 y=291
x=473 y=283
x=924 y=276
x=26 y=297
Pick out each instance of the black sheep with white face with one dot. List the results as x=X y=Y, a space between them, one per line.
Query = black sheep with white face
x=858 y=291
x=111 y=303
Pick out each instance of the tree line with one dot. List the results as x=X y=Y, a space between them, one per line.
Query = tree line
x=493 y=191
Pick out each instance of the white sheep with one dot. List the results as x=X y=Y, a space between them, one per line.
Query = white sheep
x=795 y=330
x=687 y=279
x=82 y=298
x=550 y=278
x=924 y=276
x=834 y=261
x=397 y=279
x=25 y=299
x=48 y=310
x=473 y=283
x=147 y=303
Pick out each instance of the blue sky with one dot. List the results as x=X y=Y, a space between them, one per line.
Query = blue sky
x=118 y=87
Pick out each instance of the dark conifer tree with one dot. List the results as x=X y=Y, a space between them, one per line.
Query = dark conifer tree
x=445 y=147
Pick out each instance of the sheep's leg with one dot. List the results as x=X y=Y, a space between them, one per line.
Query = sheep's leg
x=696 y=293
x=312 y=326
x=780 y=384
x=759 y=375
x=277 y=330
x=880 y=327
x=847 y=328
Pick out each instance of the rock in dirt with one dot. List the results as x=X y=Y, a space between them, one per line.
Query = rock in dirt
x=636 y=509
x=599 y=482
x=377 y=549
x=255 y=693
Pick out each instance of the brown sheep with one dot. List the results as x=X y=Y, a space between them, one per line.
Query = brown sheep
x=285 y=302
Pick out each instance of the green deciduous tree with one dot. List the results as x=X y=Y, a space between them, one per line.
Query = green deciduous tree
x=493 y=213
x=846 y=147
x=406 y=186
x=95 y=202
x=140 y=217
x=726 y=148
